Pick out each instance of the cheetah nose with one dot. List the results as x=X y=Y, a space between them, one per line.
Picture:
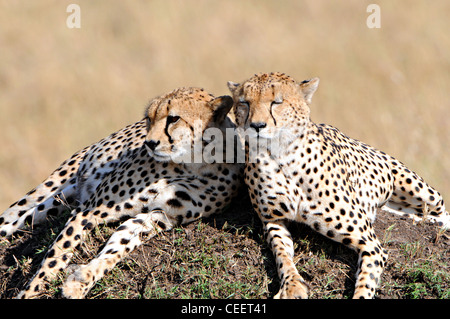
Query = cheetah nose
x=151 y=144
x=257 y=126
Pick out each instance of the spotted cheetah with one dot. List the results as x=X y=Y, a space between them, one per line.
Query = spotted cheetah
x=137 y=173
x=313 y=173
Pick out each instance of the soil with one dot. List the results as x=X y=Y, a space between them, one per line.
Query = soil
x=225 y=256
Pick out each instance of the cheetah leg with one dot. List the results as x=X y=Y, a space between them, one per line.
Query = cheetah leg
x=127 y=237
x=372 y=258
x=293 y=285
x=61 y=251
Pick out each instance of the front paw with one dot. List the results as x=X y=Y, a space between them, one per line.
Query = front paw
x=75 y=286
x=293 y=289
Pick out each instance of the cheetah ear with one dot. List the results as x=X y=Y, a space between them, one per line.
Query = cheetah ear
x=308 y=87
x=232 y=86
x=221 y=106
x=151 y=106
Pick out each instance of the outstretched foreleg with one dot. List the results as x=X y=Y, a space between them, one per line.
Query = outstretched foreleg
x=61 y=251
x=293 y=286
x=127 y=237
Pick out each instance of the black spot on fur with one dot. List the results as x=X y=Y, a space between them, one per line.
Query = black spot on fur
x=174 y=203
x=183 y=195
x=284 y=207
x=69 y=231
x=276 y=212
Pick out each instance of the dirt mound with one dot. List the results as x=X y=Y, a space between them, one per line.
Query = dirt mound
x=226 y=257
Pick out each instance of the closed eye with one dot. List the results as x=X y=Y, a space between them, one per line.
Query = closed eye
x=172 y=119
x=276 y=102
x=244 y=104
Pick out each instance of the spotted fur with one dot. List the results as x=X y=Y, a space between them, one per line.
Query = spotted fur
x=135 y=173
x=316 y=175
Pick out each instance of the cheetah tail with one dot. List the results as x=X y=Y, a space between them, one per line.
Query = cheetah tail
x=413 y=197
x=51 y=197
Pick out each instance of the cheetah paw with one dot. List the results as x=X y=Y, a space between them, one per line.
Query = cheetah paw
x=74 y=286
x=20 y=295
x=293 y=289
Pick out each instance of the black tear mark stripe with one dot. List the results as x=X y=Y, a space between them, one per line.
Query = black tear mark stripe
x=166 y=131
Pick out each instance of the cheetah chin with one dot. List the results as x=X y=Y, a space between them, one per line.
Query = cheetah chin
x=165 y=158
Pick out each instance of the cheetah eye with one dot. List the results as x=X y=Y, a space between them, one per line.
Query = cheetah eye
x=148 y=121
x=244 y=104
x=172 y=119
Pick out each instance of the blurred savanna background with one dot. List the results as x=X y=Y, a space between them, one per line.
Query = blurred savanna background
x=62 y=89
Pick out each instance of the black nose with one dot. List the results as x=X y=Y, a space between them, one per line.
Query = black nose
x=257 y=126
x=151 y=144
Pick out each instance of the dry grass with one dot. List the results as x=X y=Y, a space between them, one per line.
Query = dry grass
x=62 y=89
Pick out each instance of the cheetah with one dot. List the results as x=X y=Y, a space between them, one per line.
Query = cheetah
x=314 y=174
x=138 y=173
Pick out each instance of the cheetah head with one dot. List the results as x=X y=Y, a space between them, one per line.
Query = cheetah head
x=176 y=123
x=270 y=105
